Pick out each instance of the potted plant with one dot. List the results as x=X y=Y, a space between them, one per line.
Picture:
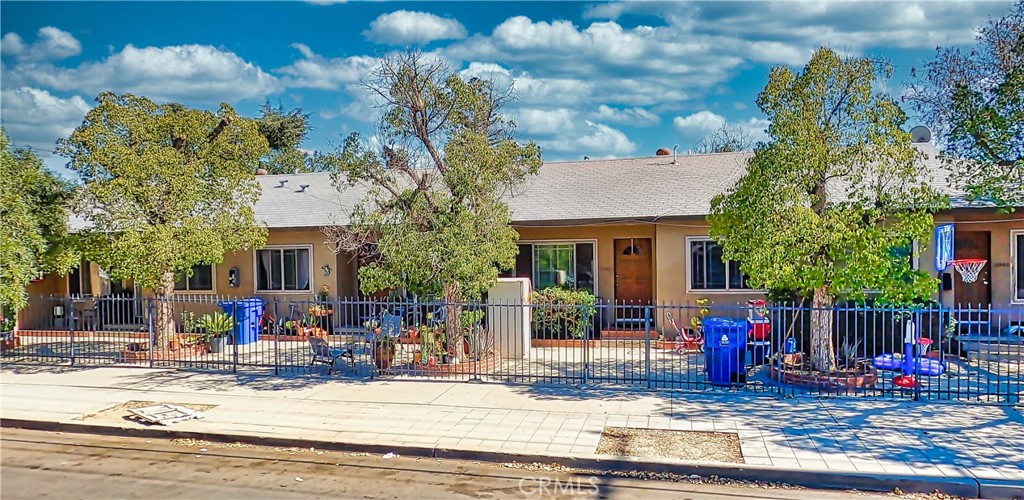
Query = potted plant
x=217 y=325
x=383 y=352
x=7 y=324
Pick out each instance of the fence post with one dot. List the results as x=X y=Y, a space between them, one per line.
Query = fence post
x=587 y=335
x=149 y=321
x=71 y=328
x=647 y=345
x=234 y=338
x=277 y=340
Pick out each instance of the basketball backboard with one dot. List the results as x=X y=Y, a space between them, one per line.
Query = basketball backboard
x=943 y=246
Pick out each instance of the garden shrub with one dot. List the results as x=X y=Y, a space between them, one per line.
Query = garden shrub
x=560 y=313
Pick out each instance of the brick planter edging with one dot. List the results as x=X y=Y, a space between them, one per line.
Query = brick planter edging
x=486 y=365
x=825 y=383
x=129 y=356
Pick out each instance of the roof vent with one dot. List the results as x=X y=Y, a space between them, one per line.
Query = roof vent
x=920 y=133
x=302 y=187
x=282 y=183
x=662 y=152
x=675 y=161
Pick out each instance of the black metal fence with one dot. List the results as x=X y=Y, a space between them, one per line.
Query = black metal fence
x=962 y=353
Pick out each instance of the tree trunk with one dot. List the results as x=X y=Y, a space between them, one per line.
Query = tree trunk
x=163 y=311
x=823 y=354
x=453 y=318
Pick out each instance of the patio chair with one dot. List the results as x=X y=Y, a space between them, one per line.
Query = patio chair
x=323 y=354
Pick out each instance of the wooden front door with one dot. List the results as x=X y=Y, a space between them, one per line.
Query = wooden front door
x=633 y=280
x=973 y=245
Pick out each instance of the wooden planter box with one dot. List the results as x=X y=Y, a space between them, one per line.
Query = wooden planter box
x=486 y=365
x=12 y=343
x=671 y=345
x=625 y=335
x=564 y=343
x=132 y=354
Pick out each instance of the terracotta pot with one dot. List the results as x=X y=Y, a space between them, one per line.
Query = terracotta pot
x=174 y=344
x=417 y=357
x=383 y=357
x=432 y=361
x=466 y=348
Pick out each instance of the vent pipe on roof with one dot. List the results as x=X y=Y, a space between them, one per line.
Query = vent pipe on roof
x=282 y=183
x=302 y=187
x=675 y=160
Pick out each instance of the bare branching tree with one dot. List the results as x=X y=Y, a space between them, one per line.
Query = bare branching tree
x=437 y=169
x=727 y=139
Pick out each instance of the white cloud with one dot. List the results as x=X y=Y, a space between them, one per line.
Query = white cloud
x=700 y=122
x=533 y=122
x=594 y=139
x=630 y=116
x=181 y=72
x=795 y=27
x=692 y=128
x=37 y=118
x=316 y=71
x=408 y=27
x=51 y=44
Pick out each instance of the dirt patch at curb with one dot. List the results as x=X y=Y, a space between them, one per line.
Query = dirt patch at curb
x=697 y=446
x=119 y=413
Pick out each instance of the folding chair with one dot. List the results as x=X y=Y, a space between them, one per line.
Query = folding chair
x=323 y=354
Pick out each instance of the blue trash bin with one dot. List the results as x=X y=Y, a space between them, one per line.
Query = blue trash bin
x=247 y=314
x=725 y=349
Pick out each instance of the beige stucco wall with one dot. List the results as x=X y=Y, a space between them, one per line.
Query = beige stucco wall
x=1000 y=266
x=670 y=256
x=673 y=256
x=605 y=236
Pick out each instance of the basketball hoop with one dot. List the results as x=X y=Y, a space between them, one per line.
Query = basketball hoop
x=969 y=268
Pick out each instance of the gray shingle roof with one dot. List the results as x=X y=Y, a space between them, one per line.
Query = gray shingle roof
x=320 y=205
x=627 y=189
x=623 y=189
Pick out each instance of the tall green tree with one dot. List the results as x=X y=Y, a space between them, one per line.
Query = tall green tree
x=829 y=197
x=974 y=99
x=284 y=132
x=165 y=188
x=435 y=221
x=34 y=235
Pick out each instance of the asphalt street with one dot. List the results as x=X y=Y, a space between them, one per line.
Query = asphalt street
x=37 y=464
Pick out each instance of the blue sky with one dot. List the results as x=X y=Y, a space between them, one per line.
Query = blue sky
x=603 y=80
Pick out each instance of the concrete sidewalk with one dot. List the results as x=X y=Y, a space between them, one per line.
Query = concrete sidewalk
x=967 y=450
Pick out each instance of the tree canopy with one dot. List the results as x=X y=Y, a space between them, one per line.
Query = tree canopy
x=435 y=222
x=34 y=236
x=828 y=201
x=284 y=132
x=974 y=99
x=165 y=187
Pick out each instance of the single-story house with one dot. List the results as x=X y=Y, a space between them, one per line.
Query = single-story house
x=630 y=230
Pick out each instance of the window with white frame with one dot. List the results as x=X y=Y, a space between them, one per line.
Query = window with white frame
x=200 y=280
x=569 y=264
x=709 y=271
x=1017 y=264
x=284 y=269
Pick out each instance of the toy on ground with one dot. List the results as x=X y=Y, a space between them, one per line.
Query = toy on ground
x=911 y=364
x=687 y=339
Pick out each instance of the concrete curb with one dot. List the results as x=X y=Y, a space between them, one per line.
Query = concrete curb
x=964 y=487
